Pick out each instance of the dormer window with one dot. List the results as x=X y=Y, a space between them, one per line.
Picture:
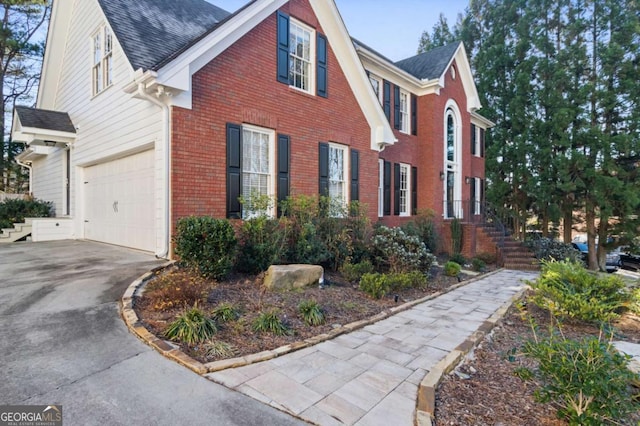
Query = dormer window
x=102 y=71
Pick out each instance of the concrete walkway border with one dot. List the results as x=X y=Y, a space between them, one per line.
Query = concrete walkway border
x=135 y=325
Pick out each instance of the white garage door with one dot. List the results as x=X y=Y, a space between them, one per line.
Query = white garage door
x=119 y=202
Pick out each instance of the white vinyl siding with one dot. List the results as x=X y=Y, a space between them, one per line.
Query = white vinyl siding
x=110 y=126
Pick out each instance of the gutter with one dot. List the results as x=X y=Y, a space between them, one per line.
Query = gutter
x=141 y=92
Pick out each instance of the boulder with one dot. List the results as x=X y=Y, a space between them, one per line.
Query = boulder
x=289 y=277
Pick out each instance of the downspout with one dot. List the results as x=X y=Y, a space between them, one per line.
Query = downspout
x=164 y=252
x=28 y=167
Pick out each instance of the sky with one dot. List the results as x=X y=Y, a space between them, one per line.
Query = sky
x=391 y=27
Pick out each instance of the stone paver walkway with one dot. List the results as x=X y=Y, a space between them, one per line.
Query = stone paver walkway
x=371 y=376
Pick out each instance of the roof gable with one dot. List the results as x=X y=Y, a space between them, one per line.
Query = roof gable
x=150 y=31
x=430 y=65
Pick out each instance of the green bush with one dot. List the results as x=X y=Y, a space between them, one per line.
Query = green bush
x=15 y=210
x=375 y=285
x=458 y=258
x=270 y=322
x=478 y=265
x=311 y=312
x=353 y=272
x=424 y=228
x=487 y=258
x=378 y=285
x=567 y=289
x=206 y=244
x=452 y=269
x=191 y=327
x=262 y=244
x=549 y=249
x=398 y=252
x=225 y=312
x=588 y=379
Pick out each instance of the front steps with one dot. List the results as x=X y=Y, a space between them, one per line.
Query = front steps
x=18 y=232
x=512 y=254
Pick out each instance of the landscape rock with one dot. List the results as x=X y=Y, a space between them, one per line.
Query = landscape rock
x=289 y=277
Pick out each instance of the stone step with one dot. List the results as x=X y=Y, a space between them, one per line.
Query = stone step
x=10 y=235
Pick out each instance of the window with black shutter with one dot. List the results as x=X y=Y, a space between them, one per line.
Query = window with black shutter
x=396 y=107
x=396 y=189
x=386 y=99
x=387 y=189
x=473 y=139
x=323 y=161
x=283 y=48
x=234 y=171
x=414 y=190
x=482 y=141
x=322 y=66
x=414 y=115
x=355 y=175
x=283 y=170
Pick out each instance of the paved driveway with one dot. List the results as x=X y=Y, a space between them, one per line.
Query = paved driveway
x=62 y=342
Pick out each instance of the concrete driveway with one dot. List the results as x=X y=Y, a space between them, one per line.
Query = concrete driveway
x=62 y=342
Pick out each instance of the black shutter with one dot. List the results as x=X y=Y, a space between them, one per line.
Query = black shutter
x=414 y=190
x=386 y=99
x=322 y=66
x=387 y=189
x=472 y=210
x=355 y=173
x=396 y=107
x=414 y=115
x=283 y=170
x=283 y=48
x=473 y=139
x=396 y=189
x=323 y=161
x=481 y=142
x=234 y=171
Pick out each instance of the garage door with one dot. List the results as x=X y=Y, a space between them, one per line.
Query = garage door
x=119 y=202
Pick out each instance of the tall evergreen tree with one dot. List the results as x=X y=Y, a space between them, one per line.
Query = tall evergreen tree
x=440 y=35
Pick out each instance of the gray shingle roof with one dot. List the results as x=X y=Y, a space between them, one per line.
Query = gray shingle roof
x=150 y=31
x=431 y=64
x=45 y=119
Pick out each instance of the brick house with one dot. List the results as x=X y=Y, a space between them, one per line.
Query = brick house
x=153 y=110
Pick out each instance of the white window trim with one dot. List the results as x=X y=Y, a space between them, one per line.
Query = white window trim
x=380 y=86
x=346 y=176
x=312 y=56
x=106 y=73
x=451 y=108
x=380 y=188
x=271 y=190
x=407 y=190
x=477 y=209
x=405 y=116
x=478 y=147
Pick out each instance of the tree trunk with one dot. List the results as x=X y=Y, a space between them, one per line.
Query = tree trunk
x=591 y=235
x=603 y=230
x=567 y=222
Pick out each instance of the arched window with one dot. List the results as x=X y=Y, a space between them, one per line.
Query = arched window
x=452 y=167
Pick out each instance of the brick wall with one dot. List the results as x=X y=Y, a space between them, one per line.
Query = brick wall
x=240 y=86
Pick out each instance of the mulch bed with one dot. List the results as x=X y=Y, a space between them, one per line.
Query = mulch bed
x=485 y=390
x=342 y=303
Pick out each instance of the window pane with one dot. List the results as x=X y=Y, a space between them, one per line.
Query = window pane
x=450 y=138
x=336 y=172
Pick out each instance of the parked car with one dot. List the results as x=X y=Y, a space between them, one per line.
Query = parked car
x=631 y=261
x=613 y=257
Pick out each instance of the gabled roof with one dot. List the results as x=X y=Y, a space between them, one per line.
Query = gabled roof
x=430 y=65
x=45 y=119
x=150 y=31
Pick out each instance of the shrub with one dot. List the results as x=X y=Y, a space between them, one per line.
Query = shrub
x=225 y=312
x=378 y=285
x=487 y=258
x=206 y=244
x=191 y=327
x=375 y=285
x=15 y=210
x=567 y=289
x=176 y=289
x=478 y=265
x=548 y=249
x=353 y=272
x=398 y=252
x=262 y=244
x=311 y=312
x=588 y=379
x=456 y=236
x=458 y=258
x=218 y=349
x=270 y=322
x=452 y=269
x=424 y=228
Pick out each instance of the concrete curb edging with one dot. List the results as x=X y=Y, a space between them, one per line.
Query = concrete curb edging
x=426 y=401
x=136 y=327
